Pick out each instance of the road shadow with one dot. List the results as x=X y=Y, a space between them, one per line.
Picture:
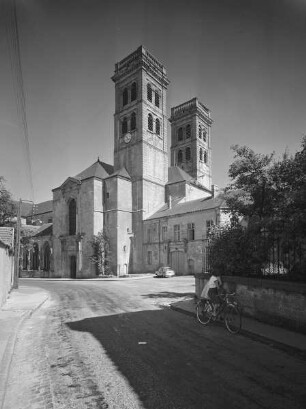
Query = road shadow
x=148 y=349
x=169 y=294
x=170 y=362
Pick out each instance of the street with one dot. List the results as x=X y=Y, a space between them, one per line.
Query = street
x=117 y=344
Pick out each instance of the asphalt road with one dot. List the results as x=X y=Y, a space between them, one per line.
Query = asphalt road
x=117 y=344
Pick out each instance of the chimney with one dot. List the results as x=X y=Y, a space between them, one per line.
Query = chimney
x=215 y=190
x=169 y=201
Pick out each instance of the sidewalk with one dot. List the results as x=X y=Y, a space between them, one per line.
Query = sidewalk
x=281 y=338
x=20 y=305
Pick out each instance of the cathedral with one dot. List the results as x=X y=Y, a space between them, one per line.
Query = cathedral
x=152 y=212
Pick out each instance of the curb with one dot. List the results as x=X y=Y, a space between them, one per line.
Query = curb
x=291 y=350
x=87 y=279
x=9 y=351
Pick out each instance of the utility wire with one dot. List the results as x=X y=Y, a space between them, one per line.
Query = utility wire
x=16 y=68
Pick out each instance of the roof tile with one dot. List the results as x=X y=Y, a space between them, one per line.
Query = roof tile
x=189 y=207
x=98 y=169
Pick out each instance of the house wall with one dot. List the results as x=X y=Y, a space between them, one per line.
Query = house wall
x=43 y=217
x=6 y=272
x=185 y=255
x=271 y=301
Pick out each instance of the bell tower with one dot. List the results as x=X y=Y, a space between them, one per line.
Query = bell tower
x=140 y=136
x=191 y=142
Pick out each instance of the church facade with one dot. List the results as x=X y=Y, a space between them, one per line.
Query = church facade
x=153 y=212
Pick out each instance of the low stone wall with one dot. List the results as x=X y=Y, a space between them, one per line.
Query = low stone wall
x=6 y=272
x=276 y=302
x=35 y=274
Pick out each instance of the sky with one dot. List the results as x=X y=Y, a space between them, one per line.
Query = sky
x=244 y=59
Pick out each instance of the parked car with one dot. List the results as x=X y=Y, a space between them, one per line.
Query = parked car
x=165 y=272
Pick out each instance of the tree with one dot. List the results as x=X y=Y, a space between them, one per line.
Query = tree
x=271 y=195
x=289 y=179
x=263 y=188
x=7 y=206
x=249 y=193
x=237 y=250
x=101 y=253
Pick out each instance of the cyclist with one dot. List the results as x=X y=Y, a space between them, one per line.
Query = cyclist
x=210 y=292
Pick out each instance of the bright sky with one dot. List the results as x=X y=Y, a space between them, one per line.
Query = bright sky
x=244 y=59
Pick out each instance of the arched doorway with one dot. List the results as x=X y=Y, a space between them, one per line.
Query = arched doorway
x=72 y=266
x=46 y=256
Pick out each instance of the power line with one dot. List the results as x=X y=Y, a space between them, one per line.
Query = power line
x=16 y=68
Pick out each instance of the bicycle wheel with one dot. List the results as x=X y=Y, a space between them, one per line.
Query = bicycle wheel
x=204 y=312
x=232 y=318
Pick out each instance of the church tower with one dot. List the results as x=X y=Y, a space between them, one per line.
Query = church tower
x=190 y=140
x=140 y=136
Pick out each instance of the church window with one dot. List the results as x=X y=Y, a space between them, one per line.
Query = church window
x=157 y=126
x=200 y=132
x=188 y=153
x=156 y=99
x=190 y=231
x=177 y=232
x=124 y=126
x=205 y=156
x=134 y=91
x=188 y=131
x=125 y=96
x=180 y=134
x=201 y=154
x=133 y=121
x=149 y=92
x=180 y=156
x=164 y=233
x=72 y=217
x=149 y=258
x=204 y=134
x=150 y=122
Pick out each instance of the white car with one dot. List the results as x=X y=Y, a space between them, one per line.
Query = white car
x=165 y=272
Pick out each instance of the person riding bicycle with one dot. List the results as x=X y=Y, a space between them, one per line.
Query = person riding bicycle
x=210 y=292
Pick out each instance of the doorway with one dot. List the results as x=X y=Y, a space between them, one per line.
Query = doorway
x=177 y=261
x=190 y=266
x=72 y=266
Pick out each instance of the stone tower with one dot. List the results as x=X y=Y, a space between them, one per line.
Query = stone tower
x=140 y=136
x=190 y=140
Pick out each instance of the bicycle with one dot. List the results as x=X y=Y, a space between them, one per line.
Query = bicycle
x=232 y=312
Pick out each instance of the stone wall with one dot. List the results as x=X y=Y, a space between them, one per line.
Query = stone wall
x=276 y=302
